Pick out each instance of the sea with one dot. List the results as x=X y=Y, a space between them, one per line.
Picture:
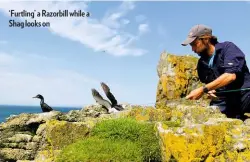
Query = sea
x=7 y=110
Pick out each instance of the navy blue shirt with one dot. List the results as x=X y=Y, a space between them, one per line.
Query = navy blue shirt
x=228 y=59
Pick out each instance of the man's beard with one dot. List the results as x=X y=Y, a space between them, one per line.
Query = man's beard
x=204 y=52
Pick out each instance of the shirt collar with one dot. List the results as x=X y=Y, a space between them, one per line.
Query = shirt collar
x=218 y=46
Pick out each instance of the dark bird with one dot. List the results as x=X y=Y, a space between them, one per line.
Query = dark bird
x=111 y=97
x=44 y=106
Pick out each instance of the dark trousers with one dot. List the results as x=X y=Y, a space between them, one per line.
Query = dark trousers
x=220 y=103
x=235 y=106
x=245 y=104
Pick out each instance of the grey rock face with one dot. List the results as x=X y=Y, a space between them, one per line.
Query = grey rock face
x=17 y=133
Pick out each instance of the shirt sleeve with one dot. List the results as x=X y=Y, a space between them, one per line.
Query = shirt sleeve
x=234 y=58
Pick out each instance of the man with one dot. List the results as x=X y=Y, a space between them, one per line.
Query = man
x=222 y=67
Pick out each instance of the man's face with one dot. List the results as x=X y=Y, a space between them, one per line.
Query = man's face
x=199 y=47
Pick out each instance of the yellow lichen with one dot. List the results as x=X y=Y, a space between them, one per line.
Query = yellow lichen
x=192 y=145
x=231 y=155
x=164 y=83
x=210 y=159
x=177 y=77
x=245 y=156
x=62 y=133
x=150 y=114
x=46 y=156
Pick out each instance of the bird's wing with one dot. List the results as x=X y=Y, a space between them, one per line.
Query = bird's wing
x=46 y=107
x=109 y=95
x=98 y=98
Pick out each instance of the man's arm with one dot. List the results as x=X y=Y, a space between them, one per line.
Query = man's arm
x=221 y=81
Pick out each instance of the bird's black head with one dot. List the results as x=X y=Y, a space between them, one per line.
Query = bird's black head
x=39 y=96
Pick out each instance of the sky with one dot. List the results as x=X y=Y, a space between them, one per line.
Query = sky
x=119 y=43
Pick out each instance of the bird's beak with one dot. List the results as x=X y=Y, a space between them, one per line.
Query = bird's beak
x=34 y=97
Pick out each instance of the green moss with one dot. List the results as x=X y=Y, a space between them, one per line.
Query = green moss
x=105 y=150
x=121 y=139
x=129 y=129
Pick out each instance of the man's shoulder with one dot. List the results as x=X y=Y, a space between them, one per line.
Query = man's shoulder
x=228 y=47
x=224 y=44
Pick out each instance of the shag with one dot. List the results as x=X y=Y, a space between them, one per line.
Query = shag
x=44 y=106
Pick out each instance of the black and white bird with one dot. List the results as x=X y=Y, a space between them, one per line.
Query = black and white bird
x=110 y=107
x=111 y=97
x=44 y=106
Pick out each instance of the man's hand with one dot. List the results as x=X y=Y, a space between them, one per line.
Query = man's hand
x=212 y=95
x=195 y=94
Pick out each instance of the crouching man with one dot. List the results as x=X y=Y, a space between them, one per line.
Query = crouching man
x=221 y=67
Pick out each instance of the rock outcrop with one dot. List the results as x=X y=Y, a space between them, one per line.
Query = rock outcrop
x=211 y=137
x=30 y=136
x=177 y=77
x=186 y=132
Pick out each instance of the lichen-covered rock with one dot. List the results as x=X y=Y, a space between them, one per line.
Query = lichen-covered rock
x=177 y=77
x=11 y=153
x=26 y=119
x=151 y=114
x=213 y=139
x=57 y=134
x=27 y=134
x=47 y=155
x=54 y=135
x=188 y=131
x=195 y=131
x=16 y=135
x=20 y=138
x=92 y=111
